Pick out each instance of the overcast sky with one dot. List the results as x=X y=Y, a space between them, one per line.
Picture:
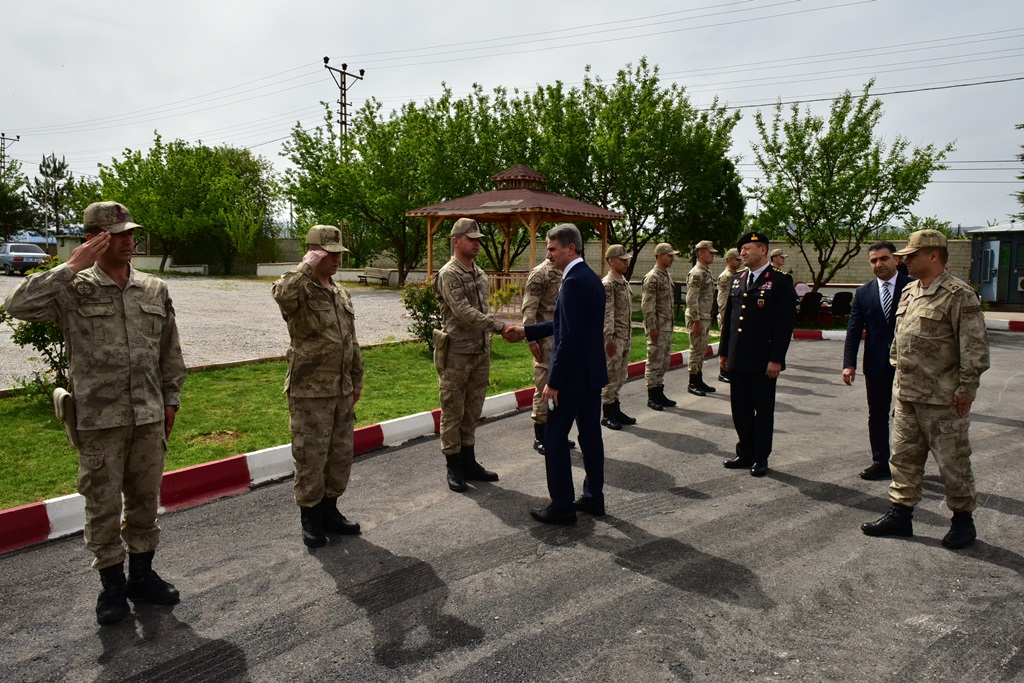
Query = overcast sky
x=88 y=79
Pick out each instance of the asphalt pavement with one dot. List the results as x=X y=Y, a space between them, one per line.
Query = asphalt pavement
x=696 y=573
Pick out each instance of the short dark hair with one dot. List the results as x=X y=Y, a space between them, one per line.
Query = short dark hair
x=943 y=252
x=566 y=234
x=884 y=244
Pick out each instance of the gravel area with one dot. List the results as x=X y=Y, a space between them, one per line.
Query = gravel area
x=222 y=320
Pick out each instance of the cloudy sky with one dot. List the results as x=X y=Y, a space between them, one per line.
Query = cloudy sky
x=88 y=79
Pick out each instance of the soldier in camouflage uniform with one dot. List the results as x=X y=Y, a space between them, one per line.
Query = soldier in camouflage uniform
x=618 y=334
x=733 y=265
x=324 y=380
x=461 y=290
x=657 y=303
x=940 y=351
x=126 y=374
x=700 y=299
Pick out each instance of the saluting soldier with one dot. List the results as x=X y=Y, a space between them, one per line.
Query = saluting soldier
x=463 y=354
x=700 y=299
x=539 y=306
x=323 y=384
x=658 y=305
x=732 y=266
x=618 y=334
x=939 y=352
x=126 y=372
x=757 y=329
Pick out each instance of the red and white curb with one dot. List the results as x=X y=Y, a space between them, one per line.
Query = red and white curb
x=1011 y=325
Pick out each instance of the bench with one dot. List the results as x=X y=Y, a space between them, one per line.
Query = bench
x=382 y=274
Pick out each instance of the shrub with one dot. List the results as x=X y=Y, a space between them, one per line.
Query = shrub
x=419 y=300
x=502 y=297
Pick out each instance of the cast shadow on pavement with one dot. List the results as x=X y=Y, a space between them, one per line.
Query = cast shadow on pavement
x=989 y=501
x=189 y=656
x=979 y=550
x=814 y=370
x=683 y=443
x=404 y=600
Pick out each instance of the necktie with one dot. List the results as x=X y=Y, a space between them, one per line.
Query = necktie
x=886 y=300
x=750 y=280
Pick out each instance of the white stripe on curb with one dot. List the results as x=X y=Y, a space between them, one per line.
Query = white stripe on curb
x=269 y=464
x=499 y=405
x=66 y=514
x=834 y=335
x=994 y=324
x=402 y=429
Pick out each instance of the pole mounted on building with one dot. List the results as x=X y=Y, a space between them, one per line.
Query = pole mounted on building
x=5 y=142
x=341 y=77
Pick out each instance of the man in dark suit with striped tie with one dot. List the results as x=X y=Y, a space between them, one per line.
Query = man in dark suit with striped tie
x=874 y=310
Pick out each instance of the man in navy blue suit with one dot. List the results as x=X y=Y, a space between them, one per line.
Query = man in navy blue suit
x=874 y=310
x=576 y=376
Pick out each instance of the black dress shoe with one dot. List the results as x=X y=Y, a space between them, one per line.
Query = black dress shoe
x=877 y=472
x=759 y=469
x=548 y=516
x=737 y=463
x=610 y=424
x=590 y=505
x=724 y=378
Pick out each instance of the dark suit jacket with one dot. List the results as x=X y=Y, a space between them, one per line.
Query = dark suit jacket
x=577 y=351
x=866 y=314
x=758 y=322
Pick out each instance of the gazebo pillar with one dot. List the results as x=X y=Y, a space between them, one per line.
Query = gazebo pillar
x=432 y=224
x=602 y=227
x=507 y=229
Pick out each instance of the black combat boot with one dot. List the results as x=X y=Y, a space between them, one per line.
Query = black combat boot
x=610 y=417
x=456 y=478
x=334 y=521
x=665 y=400
x=313 y=526
x=471 y=469
x=962 y=532
x=538 y=437
x=623 y=419
x=112 y=605
x=708 y=389
x=652 y=398
x=898 y=521
x=694 y=387
x=145 y=585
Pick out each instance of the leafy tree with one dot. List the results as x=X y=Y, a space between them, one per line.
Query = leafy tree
x=831 y=185
x=84 y=192
x=15 y=210
x=1020 y=195
x=51 y=193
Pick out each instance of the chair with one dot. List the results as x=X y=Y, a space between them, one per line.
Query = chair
x=678 y=298
x=841 y=304
x=810 y=307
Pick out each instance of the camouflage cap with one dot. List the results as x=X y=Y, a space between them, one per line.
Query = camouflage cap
x=664 y=248
x=616 y=251
x=705 y=244
x=109 y=216
x=732 y=253
x=466 y=227
x=778 y=252
x=923 y=239
x=327 y=237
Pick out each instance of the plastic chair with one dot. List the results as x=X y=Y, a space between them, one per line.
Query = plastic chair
x=841 y=305
x=810 y=307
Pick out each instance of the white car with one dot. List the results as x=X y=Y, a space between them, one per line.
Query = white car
x=21 y=257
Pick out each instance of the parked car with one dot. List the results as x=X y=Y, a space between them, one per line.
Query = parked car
x=15 y=256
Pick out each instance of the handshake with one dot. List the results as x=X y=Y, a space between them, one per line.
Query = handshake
x=513 y=333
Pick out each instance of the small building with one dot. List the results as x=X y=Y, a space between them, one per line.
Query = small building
x=997 y=262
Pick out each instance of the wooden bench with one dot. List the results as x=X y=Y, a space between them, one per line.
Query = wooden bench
x=382 y=274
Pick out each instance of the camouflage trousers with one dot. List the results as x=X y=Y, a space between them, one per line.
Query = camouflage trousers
x=618 y=371
x=321 y=446
x=463 y=387
x=698 y=345
x=918 y=428
x=540 y=378
x=658 y=356
x=118 y=461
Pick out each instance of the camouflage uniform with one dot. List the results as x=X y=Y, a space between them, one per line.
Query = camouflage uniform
x=325 y=368
x=125 y=366
x=462 y=295
x=539 y=306
x=657 y=304
x=940 y=350
x=724 y=287
x=618 y=329
x=700 y=297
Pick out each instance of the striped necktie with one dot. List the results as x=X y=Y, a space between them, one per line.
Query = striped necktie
x=886 y=300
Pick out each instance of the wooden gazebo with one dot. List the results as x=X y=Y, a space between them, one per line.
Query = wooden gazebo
x=520 y=199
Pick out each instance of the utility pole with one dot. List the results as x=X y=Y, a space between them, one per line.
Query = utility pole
x=6 y=142
x=341 y=77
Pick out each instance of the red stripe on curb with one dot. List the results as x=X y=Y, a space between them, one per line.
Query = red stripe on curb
x=710 y=352
x=1017 y=325
x=524 y=397
x=22 y=526
x=807 y=334
x=675 y=360
x=367 y=439
x=436 y=414
x=636 y=369
x=205 y=482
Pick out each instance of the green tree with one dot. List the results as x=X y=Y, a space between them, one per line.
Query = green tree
x=1020 y=194
x=830 y=185
x=84 y=192
x=15 y=209
x=51 y=193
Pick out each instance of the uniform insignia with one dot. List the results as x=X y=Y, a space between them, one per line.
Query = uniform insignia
x=760 y=303
x=85 y=288
x=766 y=286
x=120 y=213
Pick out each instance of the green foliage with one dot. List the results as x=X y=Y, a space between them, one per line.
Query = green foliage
x=502 y=297
x=1020 y=194
x=16 y=214
x=424 y=310
x=47 y=340
x=52 y=195
x=912 y=223
x=831 y=185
